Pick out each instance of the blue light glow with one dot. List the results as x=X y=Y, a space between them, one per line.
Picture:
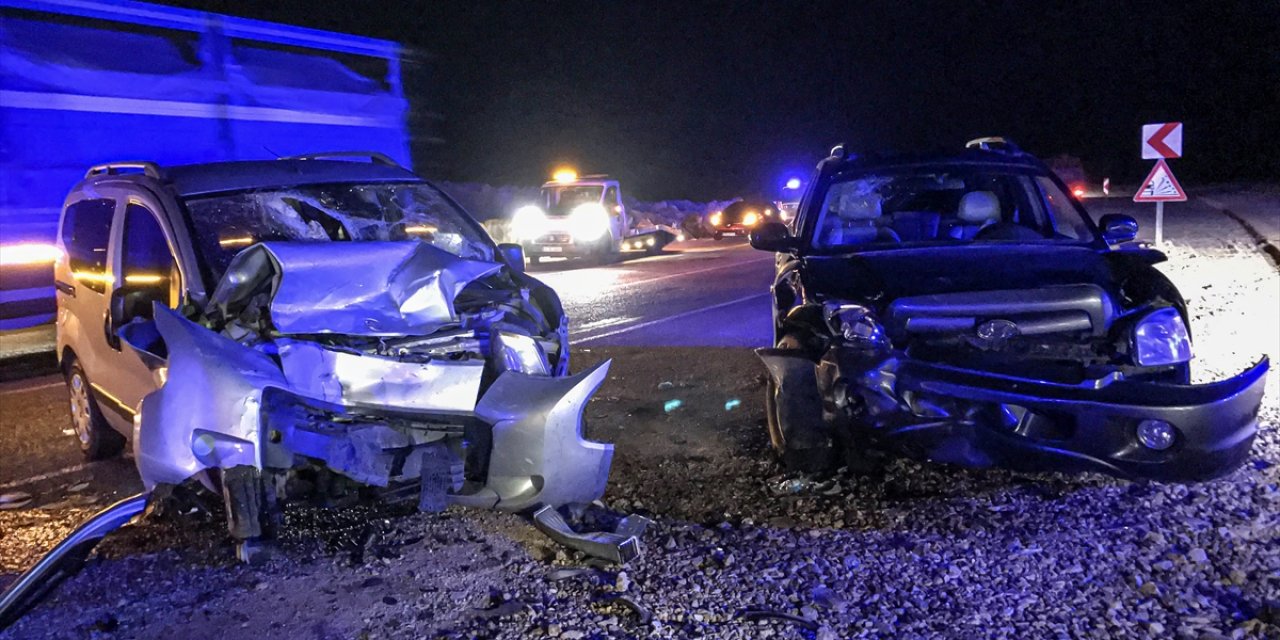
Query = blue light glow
x=732 y=404
x=672 y=405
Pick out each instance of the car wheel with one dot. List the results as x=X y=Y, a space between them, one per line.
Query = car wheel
x=718 y=236
x=98 y=440
x=806 y=460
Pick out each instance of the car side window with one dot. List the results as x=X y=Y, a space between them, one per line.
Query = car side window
x=1067 y=222
x=86 y=232
x=150 y=271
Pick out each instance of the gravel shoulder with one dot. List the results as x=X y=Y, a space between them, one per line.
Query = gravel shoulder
x=924 y=551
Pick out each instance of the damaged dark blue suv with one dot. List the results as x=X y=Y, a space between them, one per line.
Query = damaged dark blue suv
x=966 y=309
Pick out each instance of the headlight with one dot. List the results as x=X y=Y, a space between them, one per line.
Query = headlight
x=528 y=222
x=588 y=221
x=750 y=219
x=856 y=324
x=1161 y=338
x=520 y=353
x=716 y=218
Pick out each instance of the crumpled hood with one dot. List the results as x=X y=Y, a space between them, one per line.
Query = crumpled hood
x=350 y=288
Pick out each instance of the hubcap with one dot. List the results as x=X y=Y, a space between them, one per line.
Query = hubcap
x=80 y=416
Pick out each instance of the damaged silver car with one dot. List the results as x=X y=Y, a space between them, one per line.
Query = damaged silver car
x=315 y=325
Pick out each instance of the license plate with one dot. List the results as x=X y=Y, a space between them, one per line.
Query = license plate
x=551 y=249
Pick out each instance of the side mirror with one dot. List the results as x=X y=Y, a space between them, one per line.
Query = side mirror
x=772 y=236
x=513 y=255
x=1118 y=228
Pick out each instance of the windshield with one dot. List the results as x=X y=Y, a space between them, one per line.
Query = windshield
x=562 y=200
x=952 y=205
x=225 y=224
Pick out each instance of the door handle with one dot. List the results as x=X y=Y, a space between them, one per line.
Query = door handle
x=65 y=287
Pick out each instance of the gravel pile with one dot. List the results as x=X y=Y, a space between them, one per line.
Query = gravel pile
x=740 y=550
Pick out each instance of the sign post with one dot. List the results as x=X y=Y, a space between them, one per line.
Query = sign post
x=1160 y=141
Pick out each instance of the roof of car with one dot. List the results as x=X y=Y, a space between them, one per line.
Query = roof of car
x=965 y=156
x=215 y=177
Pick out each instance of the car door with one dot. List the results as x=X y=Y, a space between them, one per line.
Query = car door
x=149 y=274
x=83 y=278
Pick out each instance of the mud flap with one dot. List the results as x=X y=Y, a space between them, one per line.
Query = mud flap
x=798 y=403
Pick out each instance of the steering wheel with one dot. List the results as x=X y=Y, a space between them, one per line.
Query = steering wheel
x=1007 y=231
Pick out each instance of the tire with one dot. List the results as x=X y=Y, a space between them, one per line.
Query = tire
x=718 y=236
x=98 y=441
x=806 y=460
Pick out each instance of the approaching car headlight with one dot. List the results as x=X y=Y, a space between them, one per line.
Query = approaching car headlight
x=1161 y=338
x=528 y=222
x=750 y=219
x=520 y=353
x=588 y=221
x=715 y=219
x=856 y=324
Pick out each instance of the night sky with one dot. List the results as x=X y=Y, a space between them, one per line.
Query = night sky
x=700 y=100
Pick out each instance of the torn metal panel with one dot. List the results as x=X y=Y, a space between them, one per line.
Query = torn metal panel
x=65 y=559
x=619 y=547
x=352 y=379
x=539 y=454
x=207 y=413
x=356 y=288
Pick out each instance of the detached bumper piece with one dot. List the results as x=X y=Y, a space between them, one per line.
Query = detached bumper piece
x=1126 y=428
x=618 y=547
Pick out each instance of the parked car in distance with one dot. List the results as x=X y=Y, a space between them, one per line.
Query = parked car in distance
x=740 y=217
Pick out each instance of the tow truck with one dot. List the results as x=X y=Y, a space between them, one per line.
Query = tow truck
x=584 y=217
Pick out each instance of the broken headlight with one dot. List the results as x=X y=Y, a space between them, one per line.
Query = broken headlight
x=517 y=352
x=1161 y=338
x=856 y=324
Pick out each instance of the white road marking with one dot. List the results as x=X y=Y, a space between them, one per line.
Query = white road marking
x=677 y=316
x=696 y=271
x=607 y=322
x=47 y=385
x=45 y=476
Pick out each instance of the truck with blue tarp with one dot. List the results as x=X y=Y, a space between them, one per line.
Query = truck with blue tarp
x=84 y=82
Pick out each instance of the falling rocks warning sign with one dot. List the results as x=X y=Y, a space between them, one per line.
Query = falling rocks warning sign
x=1160 y=186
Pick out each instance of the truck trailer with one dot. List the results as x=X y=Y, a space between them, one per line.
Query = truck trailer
x=85 y=82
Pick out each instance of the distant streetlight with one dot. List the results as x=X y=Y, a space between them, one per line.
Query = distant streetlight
x=793 y=183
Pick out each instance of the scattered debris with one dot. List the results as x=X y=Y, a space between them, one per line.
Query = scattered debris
x=759 y=614
x=619 y=547
x=15 y=500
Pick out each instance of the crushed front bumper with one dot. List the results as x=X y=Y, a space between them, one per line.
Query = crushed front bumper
x=1091 y=427
x=975 y=418
x=225 y=406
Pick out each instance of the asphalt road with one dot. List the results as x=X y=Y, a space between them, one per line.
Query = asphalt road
x=699 y=293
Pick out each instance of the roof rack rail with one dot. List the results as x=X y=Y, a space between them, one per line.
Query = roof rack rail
x=993 y=143
x=150 y=169
x=373 y=156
